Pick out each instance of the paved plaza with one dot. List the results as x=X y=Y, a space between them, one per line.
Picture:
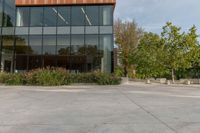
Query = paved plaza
x=135 y=108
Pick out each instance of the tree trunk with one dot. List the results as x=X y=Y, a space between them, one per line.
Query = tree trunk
x=125 y=71
x=173 y=76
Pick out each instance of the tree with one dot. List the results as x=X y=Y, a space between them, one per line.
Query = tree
x=127 y=35
x=179 y=47
x=149 y=57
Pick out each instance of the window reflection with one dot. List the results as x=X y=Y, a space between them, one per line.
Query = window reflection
x=9 y=13
x=78 y=15
x=91 y=42
x=91 y=15
x=23 y=16
x=106 y=15
x=77 y=45
x=63 y=51
x=106 y=45
x=1 y=12
x=36 y=16
x=93 y=59
x=22 y=45
x=63 y=45
x=50 y=16
x=49 y=45
x=35 y=43
x=21 y=62
x=63 y=16
x=7 y=53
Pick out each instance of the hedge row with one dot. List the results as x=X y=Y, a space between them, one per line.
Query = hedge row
x=57 y=77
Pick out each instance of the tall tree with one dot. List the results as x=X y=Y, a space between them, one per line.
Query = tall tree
x=127 y=36
x=180 y=47
x=149 y=57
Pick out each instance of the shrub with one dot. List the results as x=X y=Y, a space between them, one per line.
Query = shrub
x=56 y=77
x=107 y=79
x=15 y=79
x=4 y=77
x=47 y=77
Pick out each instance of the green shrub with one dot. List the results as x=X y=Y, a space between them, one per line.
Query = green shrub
x=57 y=77
x=15 y=79
x=4 y=77
x=107 y=79
x=47 y=77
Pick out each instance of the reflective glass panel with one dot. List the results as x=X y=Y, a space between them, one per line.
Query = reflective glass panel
x=106 y=45
x=1 y=12
x=35 y=44
x=63 y=51
x=63 y=16
x=91 y=16
x=22 y=45
x=77 y=45
x=78 y=15
x=63 y=45
x=7 y=53
x=36 y=16
x=23 y=16
x=21 y=63
x=9 y=13
x=91 y=42
x=50 y=16
x=106 y=15
x=49 y=45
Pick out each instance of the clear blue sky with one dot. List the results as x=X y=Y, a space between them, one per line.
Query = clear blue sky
x=153 y=14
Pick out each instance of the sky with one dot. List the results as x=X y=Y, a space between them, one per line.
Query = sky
x=151 y=15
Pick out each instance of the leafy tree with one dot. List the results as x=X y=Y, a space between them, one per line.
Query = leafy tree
x=149 y=56
x=180 y=49
x=127 y=35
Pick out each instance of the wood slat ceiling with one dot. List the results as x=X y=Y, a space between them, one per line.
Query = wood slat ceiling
x=61 y=2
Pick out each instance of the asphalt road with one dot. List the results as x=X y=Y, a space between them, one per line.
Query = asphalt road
x=136 y=108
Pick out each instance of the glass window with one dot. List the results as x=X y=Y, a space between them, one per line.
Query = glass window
x=91 y=15
x=77 y=45
x=50 y=16
x=63 y=16
x=1 y=12
x=34 y=62
x=22 y=45
x=106 y=15
x=35 y=44
x=63 y=51
x=9 y=13
x=63 y=45
x=36 y=16
x=91 y=42
x=78 y=15
x=23 y=16
x=106 y=45
x=93 y=61
x=49 y=45
x=7 y=53
x=21 y=63
x=8 y=44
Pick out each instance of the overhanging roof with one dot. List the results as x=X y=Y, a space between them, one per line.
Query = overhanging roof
x=62 y=2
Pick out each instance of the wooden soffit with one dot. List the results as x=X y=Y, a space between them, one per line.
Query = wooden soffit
x=62 y=2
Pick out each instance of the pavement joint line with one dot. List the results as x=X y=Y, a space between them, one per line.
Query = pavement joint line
x=148 y=112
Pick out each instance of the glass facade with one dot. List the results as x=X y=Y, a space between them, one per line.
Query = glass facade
x=77 y=38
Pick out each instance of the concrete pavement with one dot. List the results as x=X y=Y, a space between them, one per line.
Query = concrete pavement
x=136 y=108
